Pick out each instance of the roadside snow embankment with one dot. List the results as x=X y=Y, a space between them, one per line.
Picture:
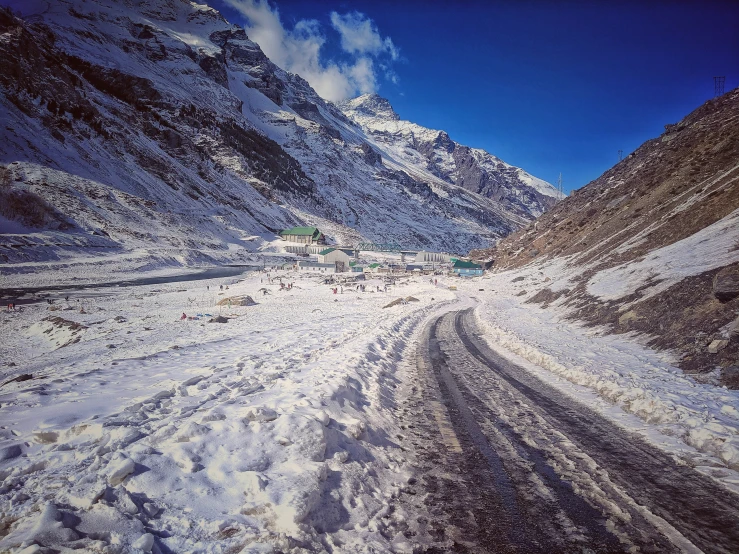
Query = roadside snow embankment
x=151 y=433
x=698 y=422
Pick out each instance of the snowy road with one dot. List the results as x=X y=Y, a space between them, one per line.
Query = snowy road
x=524 y=468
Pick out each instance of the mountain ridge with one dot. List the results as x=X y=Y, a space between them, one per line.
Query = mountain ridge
x=434 y=150
x=159 y=128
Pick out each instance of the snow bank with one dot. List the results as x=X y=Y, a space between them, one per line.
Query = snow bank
x=700 y=422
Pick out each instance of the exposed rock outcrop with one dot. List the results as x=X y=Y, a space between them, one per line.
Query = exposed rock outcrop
x=726 y=284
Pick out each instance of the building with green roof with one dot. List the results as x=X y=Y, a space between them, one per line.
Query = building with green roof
x=467 y=269
x=335 y=256
x=303 y=235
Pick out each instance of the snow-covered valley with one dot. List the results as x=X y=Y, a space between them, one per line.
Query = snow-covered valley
x=172 y=381
x=273 y=428
x=126 y=428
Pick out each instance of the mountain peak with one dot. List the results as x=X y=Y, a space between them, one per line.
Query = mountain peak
x=370 y=105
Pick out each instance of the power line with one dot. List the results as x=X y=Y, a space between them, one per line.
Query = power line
x=718 y=86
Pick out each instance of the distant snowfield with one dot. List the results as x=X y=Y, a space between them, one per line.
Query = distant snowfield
x=277 y=430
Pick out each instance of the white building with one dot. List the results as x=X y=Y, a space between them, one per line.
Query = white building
x=432 y=257
x=334 y=256
x=315 y=266
x=304 y=248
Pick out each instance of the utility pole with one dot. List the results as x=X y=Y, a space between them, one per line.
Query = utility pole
x=559 y=183
x=620 y=155
x=718 y=86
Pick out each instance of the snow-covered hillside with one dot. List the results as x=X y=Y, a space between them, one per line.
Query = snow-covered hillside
x=651 y=246
x=415 y=148
x=159 y=129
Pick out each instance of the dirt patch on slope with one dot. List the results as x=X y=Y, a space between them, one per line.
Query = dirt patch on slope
x=686 y=318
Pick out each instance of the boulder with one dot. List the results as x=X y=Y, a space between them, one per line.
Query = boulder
x=717 y=345
x=412 y=299
x=726 y=283
x=393 y=303
x=730 y=376
x=10 y=451
x=237 y=301
x=218 y=319
x=734 y=330
x=145 y=542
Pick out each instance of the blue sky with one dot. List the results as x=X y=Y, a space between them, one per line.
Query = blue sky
x=548 y=86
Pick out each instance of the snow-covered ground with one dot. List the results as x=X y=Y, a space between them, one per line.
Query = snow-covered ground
x=139 y=428
x=277 y=431
x=711 y=247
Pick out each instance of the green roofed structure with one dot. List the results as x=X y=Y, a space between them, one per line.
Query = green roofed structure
x=467 y=269
x=303 y=235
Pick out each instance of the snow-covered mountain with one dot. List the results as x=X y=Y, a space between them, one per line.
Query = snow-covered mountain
x=157 y=129
x=431 y=150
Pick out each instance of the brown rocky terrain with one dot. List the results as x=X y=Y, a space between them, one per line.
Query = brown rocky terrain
x=669 y=189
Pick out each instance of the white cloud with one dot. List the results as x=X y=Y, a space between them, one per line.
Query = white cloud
x=299 y=50
x=359 y=35
x=363 y=75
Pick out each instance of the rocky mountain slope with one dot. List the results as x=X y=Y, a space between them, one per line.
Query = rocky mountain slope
x=652 y=246
x=431 y=150
x=155 y=130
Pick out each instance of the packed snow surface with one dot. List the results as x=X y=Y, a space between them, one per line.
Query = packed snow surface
x=614 y=374
x=154 y=431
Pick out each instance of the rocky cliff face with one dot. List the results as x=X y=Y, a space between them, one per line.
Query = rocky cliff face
x=434 y=151
x=648 y=246
x=158 y=126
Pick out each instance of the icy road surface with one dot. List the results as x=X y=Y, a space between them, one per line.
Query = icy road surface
x=521 y=467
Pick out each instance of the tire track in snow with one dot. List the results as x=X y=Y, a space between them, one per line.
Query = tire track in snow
x=616 y=472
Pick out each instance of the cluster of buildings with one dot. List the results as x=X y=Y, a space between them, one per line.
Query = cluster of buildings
x=309 y=242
